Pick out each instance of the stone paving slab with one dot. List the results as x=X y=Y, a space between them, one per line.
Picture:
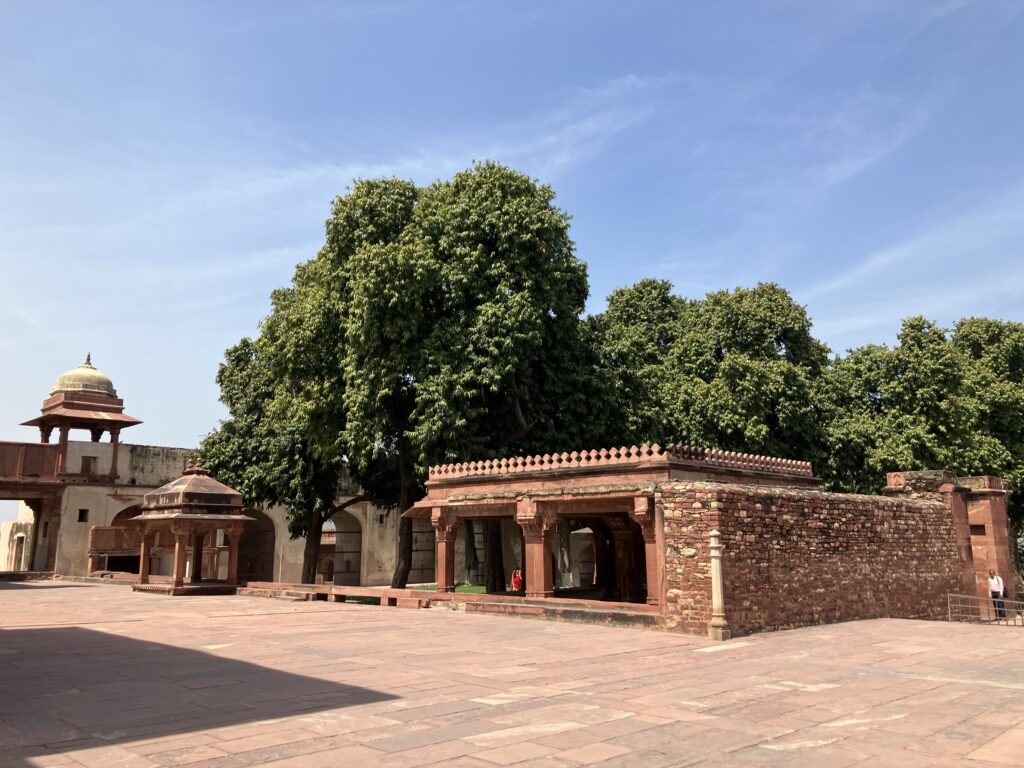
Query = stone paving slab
x=101 y=676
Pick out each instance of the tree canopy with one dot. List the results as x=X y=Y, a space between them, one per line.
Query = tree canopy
x=732 y=370
x=445 y=323
x=436 y=324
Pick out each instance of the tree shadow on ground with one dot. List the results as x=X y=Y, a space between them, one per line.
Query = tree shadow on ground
x=37 y=585
x=70 y=688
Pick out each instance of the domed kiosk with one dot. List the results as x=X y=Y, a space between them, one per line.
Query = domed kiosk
x=83 y=398
x=84 y=379
x=189 y=508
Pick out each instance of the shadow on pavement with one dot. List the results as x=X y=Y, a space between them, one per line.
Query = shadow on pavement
x=37 y=585
x=71 y=688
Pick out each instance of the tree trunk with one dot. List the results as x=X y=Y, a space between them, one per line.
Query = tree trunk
x=404 y=562
x=472 y=560
x=494 y=558
x=311 y=551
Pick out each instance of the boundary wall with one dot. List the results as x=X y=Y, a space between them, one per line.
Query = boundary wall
x=796 y=557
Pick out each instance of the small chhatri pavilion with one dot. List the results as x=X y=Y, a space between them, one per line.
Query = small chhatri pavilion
x=83 y=398
x=191 y=509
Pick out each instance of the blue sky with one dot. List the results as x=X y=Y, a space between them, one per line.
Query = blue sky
x=163 y=166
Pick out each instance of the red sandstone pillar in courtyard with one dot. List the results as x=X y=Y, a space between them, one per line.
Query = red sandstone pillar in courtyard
x=145 y=554
x=990 y=535
x=180 y=551
x=197 y=556
x=234 y=540
x=537 y=529
x=643 y=513
x=444 y=559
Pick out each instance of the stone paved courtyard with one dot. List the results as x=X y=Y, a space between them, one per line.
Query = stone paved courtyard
x=99 y=676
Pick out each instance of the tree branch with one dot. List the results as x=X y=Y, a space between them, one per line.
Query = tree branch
x=345 y=505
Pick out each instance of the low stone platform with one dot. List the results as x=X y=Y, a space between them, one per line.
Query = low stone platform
x=560 y=609
x=207 y=588
x=96 y=677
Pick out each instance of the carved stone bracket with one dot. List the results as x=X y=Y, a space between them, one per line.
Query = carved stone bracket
x=643 y=514
x=536 y=522
x=445 y=523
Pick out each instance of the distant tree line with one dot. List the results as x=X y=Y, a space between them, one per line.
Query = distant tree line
x=445 y=323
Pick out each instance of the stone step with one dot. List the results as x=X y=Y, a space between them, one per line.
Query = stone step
x=562 y=612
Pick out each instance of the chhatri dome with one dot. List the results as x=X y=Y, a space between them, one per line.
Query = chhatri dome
x=85 y=380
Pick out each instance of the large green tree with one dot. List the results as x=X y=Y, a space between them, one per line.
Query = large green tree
x=918 y=405
x=463 y=332
x=733 y=370
x=282 y=441
x=436 y=324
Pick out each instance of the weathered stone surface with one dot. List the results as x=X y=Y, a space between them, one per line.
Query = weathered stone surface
x=795 y=557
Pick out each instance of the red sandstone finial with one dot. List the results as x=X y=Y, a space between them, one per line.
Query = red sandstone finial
x=195 y=466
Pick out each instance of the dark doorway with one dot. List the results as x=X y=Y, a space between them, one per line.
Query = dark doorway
x=600 y=558
x=348 y=549
x=256 y=548
x=123 y=563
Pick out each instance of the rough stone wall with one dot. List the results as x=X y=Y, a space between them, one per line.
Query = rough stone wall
x=797 y=557
x=150 y=465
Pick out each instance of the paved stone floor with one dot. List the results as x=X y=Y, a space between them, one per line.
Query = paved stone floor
x=99 y=676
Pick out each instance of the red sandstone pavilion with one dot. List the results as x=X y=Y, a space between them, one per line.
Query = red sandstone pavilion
x=693 y=539
x=719 y=542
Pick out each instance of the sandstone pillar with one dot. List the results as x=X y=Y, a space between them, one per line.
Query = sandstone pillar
x=539 y=577
x=537 y=528
x=990 y=534
x=643 y=514
x=197 y=556
x=444 y=552
x=651 y=556
x=718 y=629
x=62 y=456
x=234 y=540
x=180 y=553
x=115 y=438
x=51 y=512
x=145 y=555
x=33 y=541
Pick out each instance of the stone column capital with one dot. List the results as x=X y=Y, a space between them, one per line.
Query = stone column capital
x=536 y=522
x=445 y=523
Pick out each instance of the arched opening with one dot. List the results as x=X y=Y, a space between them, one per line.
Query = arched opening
x=256 y=548
x=121 y=518
x=348 y=550
x=120 y=547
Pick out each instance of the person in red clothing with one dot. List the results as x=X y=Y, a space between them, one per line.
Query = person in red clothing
x=516 y=583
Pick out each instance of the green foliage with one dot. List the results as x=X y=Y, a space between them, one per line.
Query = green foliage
x=635 y=339
x=444 y=324
x=926 y=403
x=435 y=324
x=733 y=370
x=464 y=327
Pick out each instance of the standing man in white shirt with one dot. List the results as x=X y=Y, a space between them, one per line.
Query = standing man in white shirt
x=995 y=589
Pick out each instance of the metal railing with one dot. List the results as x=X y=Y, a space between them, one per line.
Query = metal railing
x=985 y=610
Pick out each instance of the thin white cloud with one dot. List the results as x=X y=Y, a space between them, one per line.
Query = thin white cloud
x=994 y=227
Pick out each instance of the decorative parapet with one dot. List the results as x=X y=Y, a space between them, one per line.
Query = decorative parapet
x=731 y=459
x=611 y=457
